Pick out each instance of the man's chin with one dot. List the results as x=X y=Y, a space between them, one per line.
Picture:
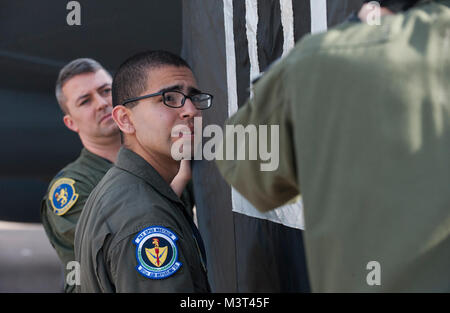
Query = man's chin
x=110 y=131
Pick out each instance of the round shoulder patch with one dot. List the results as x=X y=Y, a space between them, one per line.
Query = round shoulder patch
x=156 y=252
x=62 y=195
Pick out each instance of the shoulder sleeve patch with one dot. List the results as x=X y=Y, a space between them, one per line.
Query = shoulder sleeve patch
x=62 y=195
x=156 y=252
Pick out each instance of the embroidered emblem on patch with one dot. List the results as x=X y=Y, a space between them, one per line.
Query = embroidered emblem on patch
x=63 y=195
x=156 y=252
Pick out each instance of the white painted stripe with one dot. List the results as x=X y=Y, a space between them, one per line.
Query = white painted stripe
x=287 y=21
x=289 y=215
x=230 y=57
x=231 y=73
x=292 y=214
x=318 y=16
x=251 y=26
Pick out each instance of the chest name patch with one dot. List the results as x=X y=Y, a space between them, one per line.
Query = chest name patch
x=156 y=252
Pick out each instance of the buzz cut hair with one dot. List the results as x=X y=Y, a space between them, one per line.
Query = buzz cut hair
x=131 y=78
x=70 y=70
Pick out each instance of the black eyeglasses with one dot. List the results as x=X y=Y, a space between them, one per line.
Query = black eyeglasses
x=176 y=99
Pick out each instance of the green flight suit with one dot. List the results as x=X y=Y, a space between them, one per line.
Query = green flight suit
x=364 y=135
x=130 y=216
x=78 y=178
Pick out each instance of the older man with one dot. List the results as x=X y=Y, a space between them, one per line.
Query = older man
x=83 y=91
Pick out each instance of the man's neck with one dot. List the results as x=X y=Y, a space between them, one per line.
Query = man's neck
x=167 y=167
x=107 y=148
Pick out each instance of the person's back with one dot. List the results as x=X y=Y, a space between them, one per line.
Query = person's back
x=365 y=113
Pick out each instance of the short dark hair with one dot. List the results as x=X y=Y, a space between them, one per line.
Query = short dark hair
x=396 y=5
x=71 y=69
x=130 y=79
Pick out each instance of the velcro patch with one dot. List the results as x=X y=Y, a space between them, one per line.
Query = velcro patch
x=63 y=195
x=156 y=252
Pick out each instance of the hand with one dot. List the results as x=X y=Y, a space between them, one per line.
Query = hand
x=185 y=171
x=183 y=176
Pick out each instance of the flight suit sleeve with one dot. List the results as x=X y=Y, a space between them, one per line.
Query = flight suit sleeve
x=269 y=180
x=150 y=260
x=60 y=228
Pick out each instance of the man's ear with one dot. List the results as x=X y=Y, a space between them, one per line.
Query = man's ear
x=70 y=123
x=122 y=117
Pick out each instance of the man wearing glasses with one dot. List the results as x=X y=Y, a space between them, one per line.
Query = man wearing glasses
x=135 y=234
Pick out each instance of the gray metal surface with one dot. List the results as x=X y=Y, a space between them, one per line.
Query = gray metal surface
x=28 y=263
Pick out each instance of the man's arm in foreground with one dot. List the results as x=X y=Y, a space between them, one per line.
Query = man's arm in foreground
x=266 y=187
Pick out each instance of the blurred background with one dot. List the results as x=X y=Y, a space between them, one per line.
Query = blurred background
x=35 y=42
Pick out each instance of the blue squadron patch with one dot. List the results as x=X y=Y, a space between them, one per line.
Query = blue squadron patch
x=156 y=252
x=62 y=195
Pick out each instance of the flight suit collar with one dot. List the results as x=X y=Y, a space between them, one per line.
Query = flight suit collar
x=136 y=165
x=100 y=161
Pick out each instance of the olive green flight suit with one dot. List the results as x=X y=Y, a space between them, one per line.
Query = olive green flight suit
x=86 y=171
x=364 y=135
x=125 y=242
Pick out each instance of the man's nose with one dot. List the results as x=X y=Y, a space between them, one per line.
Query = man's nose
x=188 y=110
x=102 y=102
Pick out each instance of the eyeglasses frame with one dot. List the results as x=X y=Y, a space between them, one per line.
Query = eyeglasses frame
x=164 y=100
